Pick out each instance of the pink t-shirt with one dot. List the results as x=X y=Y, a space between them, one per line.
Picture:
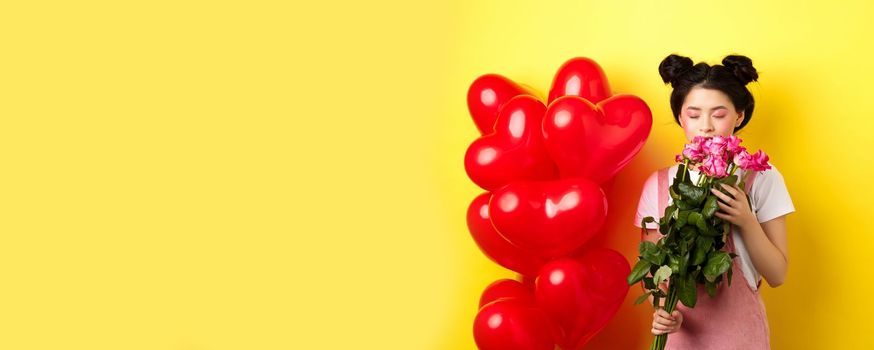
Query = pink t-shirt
x=769 y=196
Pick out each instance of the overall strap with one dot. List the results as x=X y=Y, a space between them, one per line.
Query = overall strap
x=750 y=180
x=663 y=191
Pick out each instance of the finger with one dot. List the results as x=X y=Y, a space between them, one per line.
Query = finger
x=730 y=189
x=665 y=314
x=739 y=193
x=725 y=217
x=719 y=194
x=728 y=208
x=661 y=326
x=664 y=321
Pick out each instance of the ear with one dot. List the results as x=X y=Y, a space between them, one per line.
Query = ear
x=682 y=122
x=740 y=119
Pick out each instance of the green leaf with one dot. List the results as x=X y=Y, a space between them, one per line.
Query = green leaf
x=651 y=252
x=729 y=276
x=669 y=212
x=648 y=283
x=684 y=264
x=693 y=193
x=701 y=224
x=688 y=291
x=711 y=288
x=682 y=218
x=673 y=193
x=686 y=205
x=717 y=263
x=640 y=269
x=702 y=248
x=695 y=218
x=643 y=223
x=662 y=274
x=683 y=246
x=731 y=180
x=710 y=207
x=674 y=263
x=688 y=231
x=642 y=298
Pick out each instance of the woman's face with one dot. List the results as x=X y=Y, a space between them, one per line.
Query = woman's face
x=708 y=112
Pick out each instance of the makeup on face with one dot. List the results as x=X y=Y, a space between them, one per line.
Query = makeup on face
x=708 y=112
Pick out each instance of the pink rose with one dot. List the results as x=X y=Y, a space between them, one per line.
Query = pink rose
x=754 y=162
x=760 y=161
x=714 y=167
x=694 y=153
x=715 y=146
x=698 y=141
x=733 y=145
x=744 y=160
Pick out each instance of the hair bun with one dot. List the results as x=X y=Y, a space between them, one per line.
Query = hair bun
x=673 y=67
x=741 y=67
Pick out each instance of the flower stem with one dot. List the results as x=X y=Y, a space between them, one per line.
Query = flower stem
x=685 y=169
x=670 y=304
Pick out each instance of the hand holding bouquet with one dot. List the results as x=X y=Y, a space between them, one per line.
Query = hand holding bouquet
x=693 y=235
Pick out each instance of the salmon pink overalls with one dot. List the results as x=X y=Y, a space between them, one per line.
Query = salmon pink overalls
x=734 y=319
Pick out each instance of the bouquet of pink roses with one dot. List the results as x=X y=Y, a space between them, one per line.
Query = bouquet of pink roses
x=690 y=249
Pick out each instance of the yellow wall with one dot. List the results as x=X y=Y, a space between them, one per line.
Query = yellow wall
x=259 y=175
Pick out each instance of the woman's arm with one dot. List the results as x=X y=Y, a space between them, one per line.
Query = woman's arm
x=766 y=242
x=767 y=246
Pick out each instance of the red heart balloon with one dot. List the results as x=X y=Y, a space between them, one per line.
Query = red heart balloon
x=505 y=288
x=595 y=141
x=550 y=218
x=485 y=97
x=493 y=245
x=581 y=295
x=515 y=150
x=581 y=77
x=527 y=280
x=512 y=324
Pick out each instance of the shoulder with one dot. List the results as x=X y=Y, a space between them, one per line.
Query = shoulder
x=770 y=196
x=652 y=181
x=768 y=178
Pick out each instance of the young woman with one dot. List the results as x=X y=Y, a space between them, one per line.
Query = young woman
x=710 y=101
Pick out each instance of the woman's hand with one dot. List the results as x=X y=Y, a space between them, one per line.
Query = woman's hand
x=734 y=206
x=663 y=323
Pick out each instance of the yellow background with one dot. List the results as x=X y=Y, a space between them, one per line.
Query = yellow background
x=280 y=175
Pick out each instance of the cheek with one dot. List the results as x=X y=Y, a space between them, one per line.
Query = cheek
x=725 y=125
x=690 y=124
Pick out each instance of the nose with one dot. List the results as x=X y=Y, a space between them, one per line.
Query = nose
x=707 y=126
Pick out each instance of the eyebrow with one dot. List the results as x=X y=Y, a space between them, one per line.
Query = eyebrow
x=712 y=109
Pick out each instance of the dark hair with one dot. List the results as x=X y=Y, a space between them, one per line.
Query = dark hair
x=731 y=77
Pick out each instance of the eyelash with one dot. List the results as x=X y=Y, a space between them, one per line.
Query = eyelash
x=695 y=116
